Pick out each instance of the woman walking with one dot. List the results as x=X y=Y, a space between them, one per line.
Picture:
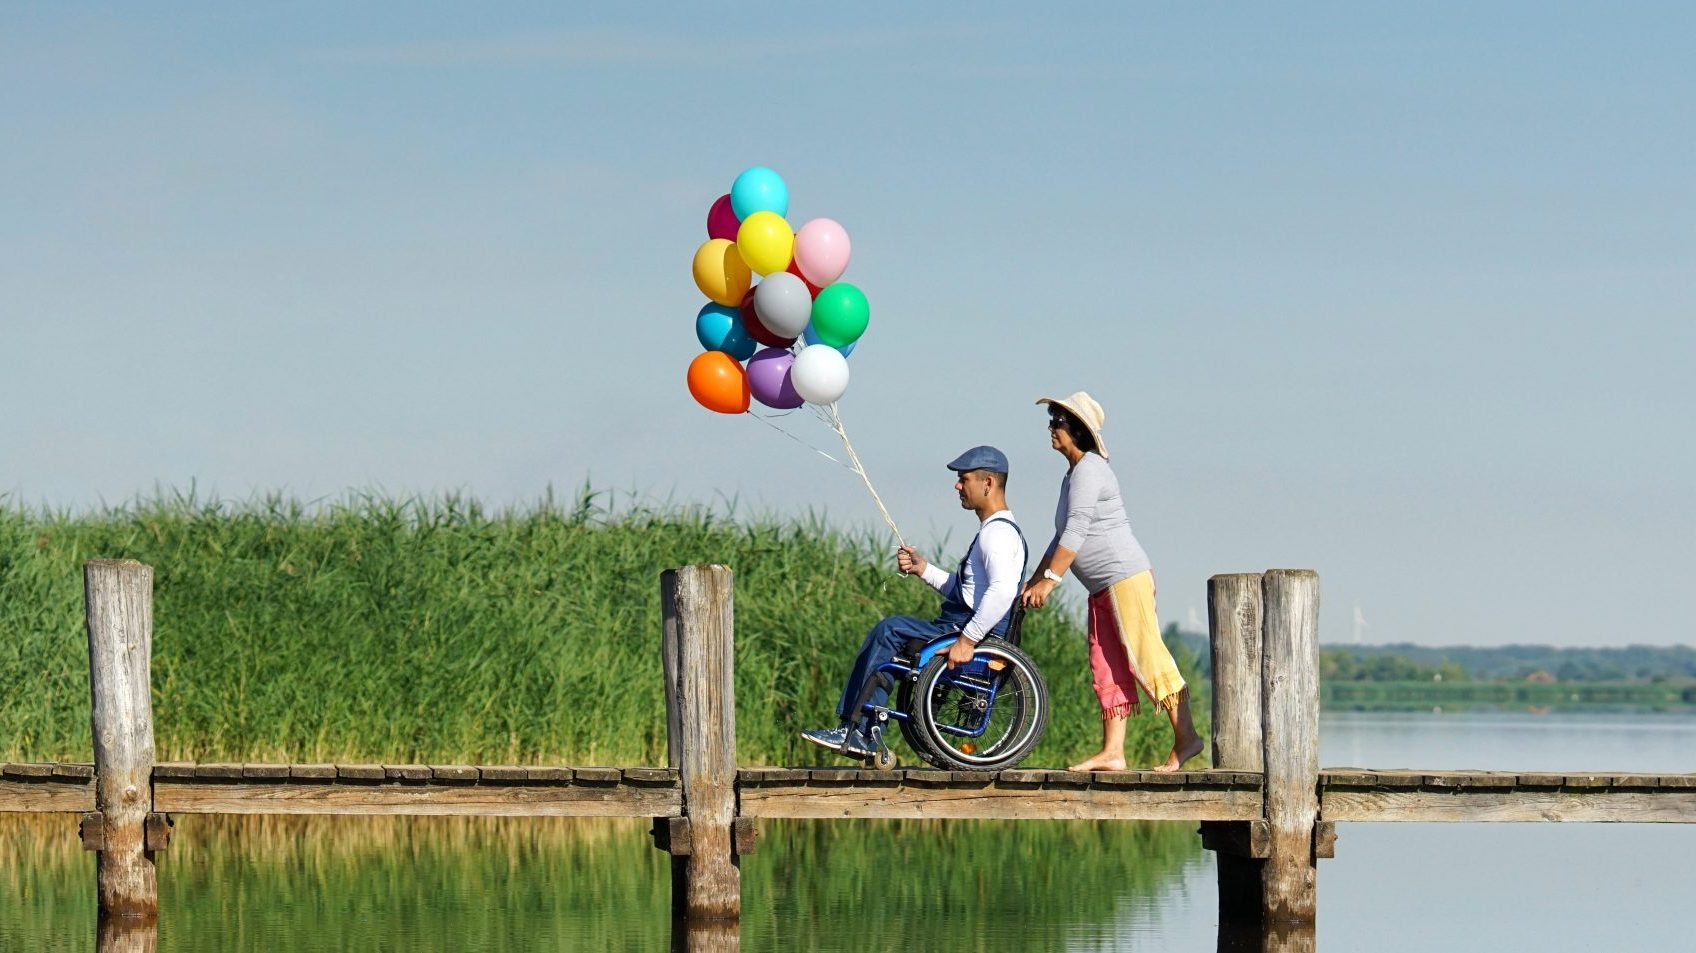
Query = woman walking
x=1093 y=540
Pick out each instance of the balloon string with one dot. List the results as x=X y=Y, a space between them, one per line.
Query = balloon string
x=835 y=419
x=768 y=423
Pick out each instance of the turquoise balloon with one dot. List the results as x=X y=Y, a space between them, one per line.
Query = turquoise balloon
x=812 y=337
x=840 y=315
x=720 y=329
x=759 y=190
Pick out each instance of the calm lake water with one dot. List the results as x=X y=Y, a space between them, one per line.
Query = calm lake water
x=463 y=884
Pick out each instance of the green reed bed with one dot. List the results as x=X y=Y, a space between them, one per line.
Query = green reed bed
x=440 y=630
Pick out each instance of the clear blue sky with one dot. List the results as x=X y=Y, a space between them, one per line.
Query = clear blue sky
x=1406 y=294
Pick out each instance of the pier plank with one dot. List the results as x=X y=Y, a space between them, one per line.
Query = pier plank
x=771 y=775
x=264 y=770
x=410 y=797
x=597 y=775
x=27 y=770
x=1512 y=805
x=833 y=775
x=359 y=772
x=48 y=795
x=1019 y=776
x=550 y=774
x=220 y=770
x=650 y=775
x=502 y=773
x=1471 y=780
x=454 y=773
x=950 y=779
x=989 y=799
x=1399 y=778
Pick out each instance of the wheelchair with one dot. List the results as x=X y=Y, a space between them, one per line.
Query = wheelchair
x=985 y=715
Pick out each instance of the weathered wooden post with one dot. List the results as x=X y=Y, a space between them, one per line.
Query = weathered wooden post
x=1290 y=730
x=1233 y=622
x=119 y=596
x=701 y=739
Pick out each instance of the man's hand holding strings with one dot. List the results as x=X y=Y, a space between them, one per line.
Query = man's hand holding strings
x=908 y=560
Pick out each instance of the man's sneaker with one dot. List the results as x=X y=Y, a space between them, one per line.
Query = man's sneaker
x=841 y=740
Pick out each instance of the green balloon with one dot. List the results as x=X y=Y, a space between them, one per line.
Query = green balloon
x=840 y=314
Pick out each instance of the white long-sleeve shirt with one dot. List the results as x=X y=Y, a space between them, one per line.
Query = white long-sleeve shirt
x=991 y=577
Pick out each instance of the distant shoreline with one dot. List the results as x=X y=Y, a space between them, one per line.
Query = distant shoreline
x=1409 y=695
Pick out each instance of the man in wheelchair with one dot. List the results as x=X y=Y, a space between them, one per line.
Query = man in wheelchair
x=977 y=601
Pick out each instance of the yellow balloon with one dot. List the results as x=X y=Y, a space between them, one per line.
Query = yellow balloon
x=766 y=242
x=720 y=272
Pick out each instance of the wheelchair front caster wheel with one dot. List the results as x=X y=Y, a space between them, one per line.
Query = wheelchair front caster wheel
x=883 y=760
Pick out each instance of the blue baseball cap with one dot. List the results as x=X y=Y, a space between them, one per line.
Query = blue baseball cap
x=980 y=458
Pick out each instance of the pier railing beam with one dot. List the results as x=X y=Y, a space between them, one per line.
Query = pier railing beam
x=701 y=736
x=1234 y=622
x=1290 y=735
x=119 y=597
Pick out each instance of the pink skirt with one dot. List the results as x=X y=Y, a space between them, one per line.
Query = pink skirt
x=1126 y=651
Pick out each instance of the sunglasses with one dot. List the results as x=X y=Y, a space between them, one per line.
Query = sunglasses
x=1054 y=422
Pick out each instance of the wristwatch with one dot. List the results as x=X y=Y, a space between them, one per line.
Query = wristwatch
x=1050 y=574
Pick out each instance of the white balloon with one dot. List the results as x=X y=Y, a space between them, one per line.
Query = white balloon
x=784 y=304
x=820 y=374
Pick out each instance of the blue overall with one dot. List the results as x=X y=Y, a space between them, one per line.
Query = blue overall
x=887 y=637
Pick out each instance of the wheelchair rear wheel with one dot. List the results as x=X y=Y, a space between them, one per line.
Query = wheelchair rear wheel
x=983 y=716
x=910 y=731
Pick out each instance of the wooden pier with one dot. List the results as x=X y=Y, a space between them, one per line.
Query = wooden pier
x=1266 y=808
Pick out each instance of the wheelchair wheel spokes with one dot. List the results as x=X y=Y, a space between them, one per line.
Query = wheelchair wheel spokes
x=984 y=716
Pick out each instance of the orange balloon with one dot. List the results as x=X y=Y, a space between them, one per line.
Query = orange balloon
x=720 y=272
x=718 y=383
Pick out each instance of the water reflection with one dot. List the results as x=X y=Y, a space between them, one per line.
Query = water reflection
x=126 y=935
x=1253 y=938
x=706 y=936
x=427 y=884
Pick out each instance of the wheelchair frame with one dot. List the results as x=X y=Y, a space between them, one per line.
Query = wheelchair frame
x=906 y=665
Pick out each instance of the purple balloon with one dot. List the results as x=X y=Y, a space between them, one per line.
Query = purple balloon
x=768 y=378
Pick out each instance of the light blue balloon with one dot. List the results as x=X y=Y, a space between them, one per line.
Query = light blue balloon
x=720 y=329
x=811 y=337
x=759 y=189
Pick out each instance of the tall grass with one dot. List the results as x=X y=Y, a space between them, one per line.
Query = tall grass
x=439 y=630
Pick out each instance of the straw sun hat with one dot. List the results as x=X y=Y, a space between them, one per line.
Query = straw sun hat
x=1087 y=411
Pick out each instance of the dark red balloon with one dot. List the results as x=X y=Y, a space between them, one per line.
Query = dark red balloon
x=721 y=221
x=756 y=330
x=795 y=270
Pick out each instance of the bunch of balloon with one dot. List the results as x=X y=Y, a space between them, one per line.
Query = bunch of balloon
x=784 y=341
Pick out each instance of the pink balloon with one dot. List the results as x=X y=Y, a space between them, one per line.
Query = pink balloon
x=768 y=379
x=721 y=221
x=821 y=251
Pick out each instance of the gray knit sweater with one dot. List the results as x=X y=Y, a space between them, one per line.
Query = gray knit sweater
x=1091 y=522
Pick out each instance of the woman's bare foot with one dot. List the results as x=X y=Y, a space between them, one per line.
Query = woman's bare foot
x=1102 y=761
x=1185 y=750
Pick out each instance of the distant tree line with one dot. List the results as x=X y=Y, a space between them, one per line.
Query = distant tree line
x=1341 y=665
x=1405 y=662
x=1631 y=663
